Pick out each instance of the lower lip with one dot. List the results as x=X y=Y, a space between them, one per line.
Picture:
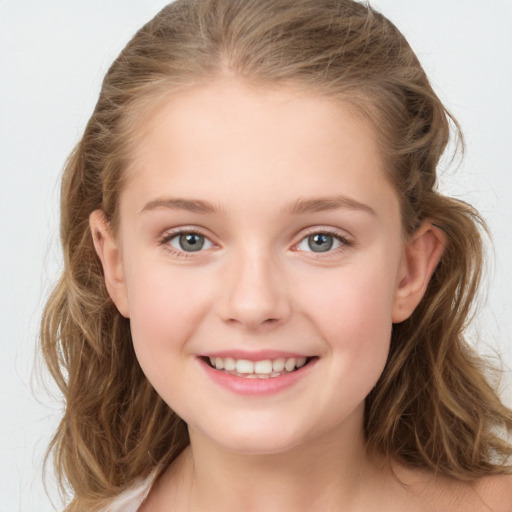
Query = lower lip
x=256 y=387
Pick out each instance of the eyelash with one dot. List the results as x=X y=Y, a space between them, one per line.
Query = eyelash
x=167 y=237
x=344 y=241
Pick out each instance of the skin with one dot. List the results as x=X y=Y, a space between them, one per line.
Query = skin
x=250 y=155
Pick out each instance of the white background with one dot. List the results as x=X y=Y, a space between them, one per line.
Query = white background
x=53 y=55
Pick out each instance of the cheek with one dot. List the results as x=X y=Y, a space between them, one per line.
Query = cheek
x=352 y=311
x=164 y=308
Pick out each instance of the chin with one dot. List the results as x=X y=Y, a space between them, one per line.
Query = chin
x=254 y=439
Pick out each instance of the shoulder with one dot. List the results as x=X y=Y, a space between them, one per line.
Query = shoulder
x=495 y=492
x=131 y=499
x=170 y=489
x=489 y=494
x=434 y=493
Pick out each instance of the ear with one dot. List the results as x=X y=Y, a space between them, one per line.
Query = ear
x=109 y=253
x=422 y=253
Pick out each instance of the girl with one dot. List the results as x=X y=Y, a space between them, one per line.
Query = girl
x=264 y=295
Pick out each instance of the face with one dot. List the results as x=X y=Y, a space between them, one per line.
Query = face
x=261 y=262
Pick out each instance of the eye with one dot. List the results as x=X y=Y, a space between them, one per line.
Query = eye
x=321 y=242
x=188 y=242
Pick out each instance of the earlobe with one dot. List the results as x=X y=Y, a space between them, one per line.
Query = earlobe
x=421 y=256
x=109 y=253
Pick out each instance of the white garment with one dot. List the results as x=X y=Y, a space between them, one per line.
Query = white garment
x=131 y=499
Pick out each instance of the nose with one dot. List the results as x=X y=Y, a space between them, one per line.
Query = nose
x=255 y=293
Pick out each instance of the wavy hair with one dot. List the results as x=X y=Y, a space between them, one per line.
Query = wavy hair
x=432 y=407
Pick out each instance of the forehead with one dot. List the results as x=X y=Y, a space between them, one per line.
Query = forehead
x=228 y=137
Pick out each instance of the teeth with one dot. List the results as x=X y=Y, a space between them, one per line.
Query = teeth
x=278 y=364
x=242 y=366
x=263 y=366
x=290 y=364
x=301 y=361
x=266 y=368
x=229 y=364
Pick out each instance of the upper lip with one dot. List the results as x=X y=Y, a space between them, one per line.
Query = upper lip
x=259 y=355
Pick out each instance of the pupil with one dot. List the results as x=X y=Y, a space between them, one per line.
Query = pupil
x=191 y=242
x=320 y=242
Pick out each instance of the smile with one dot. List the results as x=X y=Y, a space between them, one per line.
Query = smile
x=262 y=374
x=263 y=369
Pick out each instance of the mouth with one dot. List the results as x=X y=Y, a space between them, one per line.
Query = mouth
x=262 y=369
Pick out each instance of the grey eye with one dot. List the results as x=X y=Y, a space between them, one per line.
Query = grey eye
x=319 y=242
x=190 y=242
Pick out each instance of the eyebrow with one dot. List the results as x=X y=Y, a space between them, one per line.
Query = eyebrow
x=191 y=205
x=301 y=206
x=320 y=204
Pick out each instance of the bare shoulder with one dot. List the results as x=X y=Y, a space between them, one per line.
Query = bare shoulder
x=490 y=494
x=169 y=491
x=495 y=492
x=441 y=494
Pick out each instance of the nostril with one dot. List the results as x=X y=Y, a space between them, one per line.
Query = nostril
x=253 y=323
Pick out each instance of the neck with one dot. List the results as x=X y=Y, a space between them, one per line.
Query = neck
x=319 y=474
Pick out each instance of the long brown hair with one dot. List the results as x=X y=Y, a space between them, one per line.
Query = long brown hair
x=432 y=407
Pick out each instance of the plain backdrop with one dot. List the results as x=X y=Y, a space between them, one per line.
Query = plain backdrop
x=53 y=55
